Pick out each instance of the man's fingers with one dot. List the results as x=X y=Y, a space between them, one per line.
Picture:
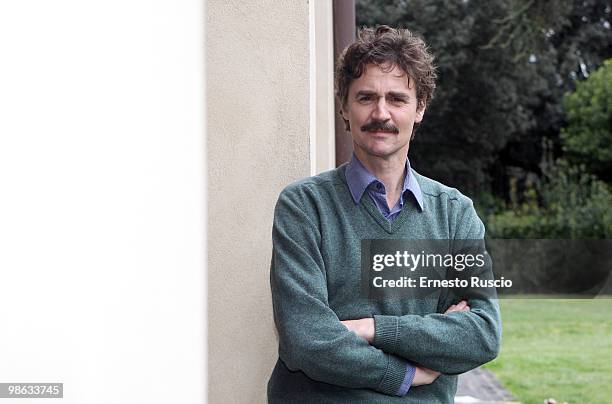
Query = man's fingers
x=432 y=373
x=461 y=306
x=424 y=376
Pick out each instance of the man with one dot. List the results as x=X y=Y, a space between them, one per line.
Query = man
x=335 y=344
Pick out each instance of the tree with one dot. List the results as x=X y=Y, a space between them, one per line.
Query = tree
x=503 y=67
x=588 y=137
x=484 y=94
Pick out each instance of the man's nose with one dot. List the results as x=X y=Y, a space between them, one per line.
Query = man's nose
x=381 y=112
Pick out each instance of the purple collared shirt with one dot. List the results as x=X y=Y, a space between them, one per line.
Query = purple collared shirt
x=360 y=180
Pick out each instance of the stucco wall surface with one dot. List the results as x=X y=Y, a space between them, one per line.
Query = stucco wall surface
x=257 y=95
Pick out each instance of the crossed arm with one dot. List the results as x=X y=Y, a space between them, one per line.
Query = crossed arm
x=366 y=329
x=363 y=353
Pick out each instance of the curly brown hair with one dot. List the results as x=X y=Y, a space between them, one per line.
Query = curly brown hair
x=387 y=47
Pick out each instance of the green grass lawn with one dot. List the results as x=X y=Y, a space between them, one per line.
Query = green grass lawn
x=556 y=348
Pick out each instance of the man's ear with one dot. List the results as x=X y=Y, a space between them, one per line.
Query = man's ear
x=343 y=113
x=419 y=114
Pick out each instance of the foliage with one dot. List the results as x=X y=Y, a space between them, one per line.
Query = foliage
x=588 y=136
x=572 y=204
x=503 y=67
x=474 y=113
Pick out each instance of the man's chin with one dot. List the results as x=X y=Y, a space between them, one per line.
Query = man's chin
x=383 y=148
x=383 y=153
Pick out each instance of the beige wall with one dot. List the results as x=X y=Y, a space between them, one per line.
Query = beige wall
x=257 y=94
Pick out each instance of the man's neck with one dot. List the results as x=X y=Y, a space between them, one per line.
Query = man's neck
x=391 y=171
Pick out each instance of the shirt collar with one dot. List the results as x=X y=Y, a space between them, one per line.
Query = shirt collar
x=359 y=178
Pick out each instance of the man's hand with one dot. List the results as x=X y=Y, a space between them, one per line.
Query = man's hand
x=363 y=327
x=423 y=376
x=461 y=306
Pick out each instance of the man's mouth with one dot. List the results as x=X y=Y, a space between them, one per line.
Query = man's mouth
x=380 y=131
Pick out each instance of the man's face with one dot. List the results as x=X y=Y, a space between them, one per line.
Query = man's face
x=381 y=108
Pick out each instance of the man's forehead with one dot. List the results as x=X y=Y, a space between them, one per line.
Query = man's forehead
x=373 y=74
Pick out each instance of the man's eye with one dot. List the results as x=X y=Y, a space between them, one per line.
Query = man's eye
x=365 y=98
x=397 y=100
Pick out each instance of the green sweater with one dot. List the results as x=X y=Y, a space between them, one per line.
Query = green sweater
x=315 y=279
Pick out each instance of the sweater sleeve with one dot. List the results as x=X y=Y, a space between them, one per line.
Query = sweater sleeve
x=311 y=337
x=451 y=343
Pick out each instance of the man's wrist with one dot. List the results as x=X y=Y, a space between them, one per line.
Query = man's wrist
x=363 y=327
x=386 y=329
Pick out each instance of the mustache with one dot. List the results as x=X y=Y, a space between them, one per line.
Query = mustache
x=380 y=126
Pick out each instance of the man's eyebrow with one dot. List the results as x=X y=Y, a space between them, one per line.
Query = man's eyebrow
x=402 y=96
x=365 y=92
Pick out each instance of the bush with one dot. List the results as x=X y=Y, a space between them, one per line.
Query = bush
x=588 y=137
x=573 y=204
